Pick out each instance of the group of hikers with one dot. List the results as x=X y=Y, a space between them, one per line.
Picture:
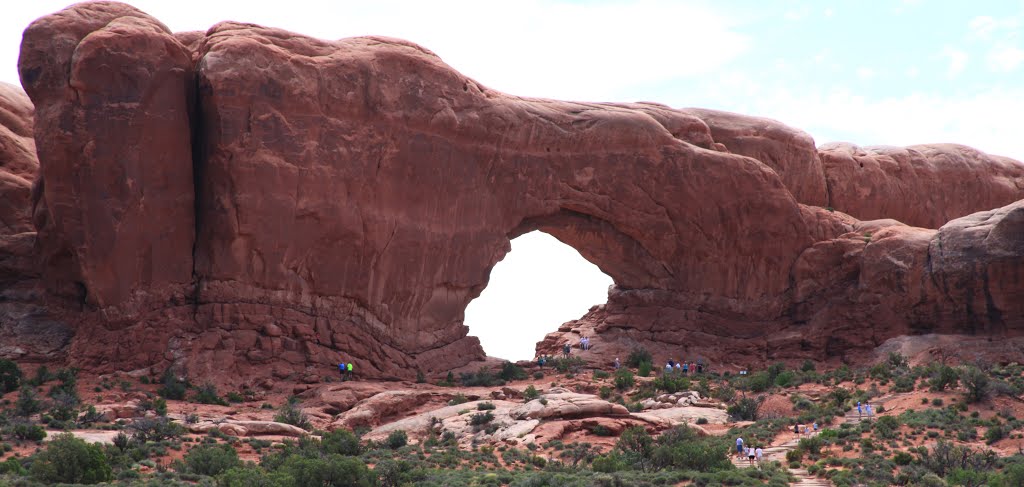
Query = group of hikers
x=345 y=369
x=681 y=367
x=865 y=409
x=753 y=454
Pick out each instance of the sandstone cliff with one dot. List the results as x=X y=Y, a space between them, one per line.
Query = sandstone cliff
x=249 y=198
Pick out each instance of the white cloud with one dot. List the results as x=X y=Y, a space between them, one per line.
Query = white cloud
x=957 y=61
x=532 y=48
x=912 y=72
x=988 y=121
x=1005 y=58
x=865 y=73
x=797 y=14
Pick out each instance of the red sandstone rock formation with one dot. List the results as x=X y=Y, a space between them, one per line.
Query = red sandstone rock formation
x=251 y=202
x=921 y=185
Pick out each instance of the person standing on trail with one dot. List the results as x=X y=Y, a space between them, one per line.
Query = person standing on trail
x=860 y=413
x=867 y=408
x=341 y=370
x=750 y=455
x=686 y=369
x=739 y=446
x=348 y=367
x=618 y=364
x=566 y=349
x=679 y=368
x=759 y=453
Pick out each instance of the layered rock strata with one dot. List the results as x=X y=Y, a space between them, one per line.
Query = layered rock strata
x=249 y=199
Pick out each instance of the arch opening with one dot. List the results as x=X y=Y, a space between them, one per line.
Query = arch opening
x=540 y=284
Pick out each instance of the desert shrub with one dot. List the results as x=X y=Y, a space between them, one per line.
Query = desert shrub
x=942 y=378
x=173 y=387
x=946 y=457
x=207 y=394
x=12 y=466
x=644 y=369
x=624 y=379
x=601 y=374
x=63 y=406
x=639 y=356
x=28 y=402
x=746 y=408
x=785 y=379
x=610 y=463
x=23 y=430
x=398 y=439
x=154 y=429
x=702 y=420
x=976 y=383
x=461 y=398
x=671 y=383
x=808 y=366
x=886 y=426
x=210 y=460
x=757 y=382
x=330 y=470
x=10 y=376
x=811 y=445
x=511 y=371
x=480 y=419
x=70 y=460
x=530 y=393
x=485 y=406
x=340 y=442
x=235 y=397
x=290 y=413
x=160 y=406
x=250 y=476
x=902 y=458
x=994 y=434
x=636 y=447
x=681 y=448
x=605 y=392
x=481 y=378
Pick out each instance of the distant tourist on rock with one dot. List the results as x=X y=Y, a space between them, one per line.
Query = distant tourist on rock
x=679 y=368
x=867 y=409
x=860 y=413
x=760 y=454
x=700 y=367
x=671 y=363
x=686 y=369
x=618 y=364
x=815 y=427
x=566 y=349
x=668 y=367
x=739 y=446
x=540 y=361
x=750 y=455
x=348 y=367
x=341 y=370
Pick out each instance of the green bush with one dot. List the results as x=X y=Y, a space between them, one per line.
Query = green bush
x=160 y=406
x=10 y=376
x=671 y=383
x=887 y=426
x=745 y=409
x=610 y=463
x=26 y=431
x=530 y=393
x=12 y=466
x=995 y=433
x=786 y=379
x=251 y=476
x=639 y=356
x=340 y=442
x=702 y=420
x=70 y=460
x=624 y=380
x=485 y=406
x=481 y=378
x=331 y=470
x=289 y=413
x=154 y=429
x=902 y=458
x=480 y=419
x=511 y=371
x=27 y=403
x=942 y=378
x=758 y=382
x=210 y=459
x=808 y=366
x=173 y=387
x=397 y=439
x=976 y=382
x=207 y=394
x=681 y=448
x=644 y=369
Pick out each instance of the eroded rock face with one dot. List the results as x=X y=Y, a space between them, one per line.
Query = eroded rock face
x=248 y=201
x=922 y=185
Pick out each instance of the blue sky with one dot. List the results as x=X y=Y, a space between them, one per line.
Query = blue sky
x=896 y=72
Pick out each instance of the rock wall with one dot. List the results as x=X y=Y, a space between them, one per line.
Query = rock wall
x=249 y=199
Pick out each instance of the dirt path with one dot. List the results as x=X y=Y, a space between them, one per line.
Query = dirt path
x=778 y=453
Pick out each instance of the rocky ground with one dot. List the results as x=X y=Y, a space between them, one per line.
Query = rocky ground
x=562 y=420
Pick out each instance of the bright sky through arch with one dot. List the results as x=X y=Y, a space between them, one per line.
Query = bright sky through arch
x=540 y=284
